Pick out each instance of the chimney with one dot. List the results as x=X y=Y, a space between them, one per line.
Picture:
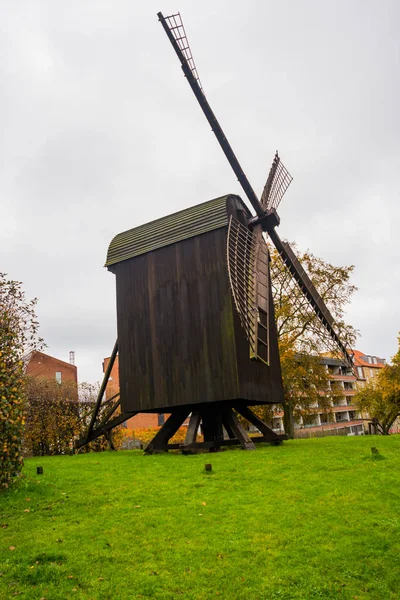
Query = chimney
x=72 y=357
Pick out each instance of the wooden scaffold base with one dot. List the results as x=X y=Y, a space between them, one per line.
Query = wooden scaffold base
x=220 y=427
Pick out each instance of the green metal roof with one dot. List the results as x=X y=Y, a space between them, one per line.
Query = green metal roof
x=168 y=230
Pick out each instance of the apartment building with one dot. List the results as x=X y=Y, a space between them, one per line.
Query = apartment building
x=344 y=413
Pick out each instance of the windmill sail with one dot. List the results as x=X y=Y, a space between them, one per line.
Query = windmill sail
x=176 y=28
x=278 y=182
x=248 y=270
x=172 y=30
x=324 y=330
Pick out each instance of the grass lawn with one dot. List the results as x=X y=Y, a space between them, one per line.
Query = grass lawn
x=314 y=518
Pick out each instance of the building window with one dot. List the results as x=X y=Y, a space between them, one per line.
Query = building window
x=374 y=361
x=360 y=372
x=340 y=417
x=58 y=376
x=161 y=419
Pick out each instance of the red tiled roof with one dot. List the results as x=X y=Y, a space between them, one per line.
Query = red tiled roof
x=359 y=360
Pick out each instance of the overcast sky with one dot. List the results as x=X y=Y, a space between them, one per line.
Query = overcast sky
x=101 y=132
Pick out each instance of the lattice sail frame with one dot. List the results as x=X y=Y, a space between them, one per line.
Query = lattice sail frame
x=315 y=335
x=176 y=27
x=248 y=270
x=277 y=184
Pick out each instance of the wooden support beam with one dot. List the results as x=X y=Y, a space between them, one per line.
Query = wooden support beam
x=208 y=425
x=225 y=423
x=102 y=391
x=239 y=431
x=219 y=432
x=193 y=428
x=159 y=443
x=257 y=422
x=103 y=430
x=259 y=439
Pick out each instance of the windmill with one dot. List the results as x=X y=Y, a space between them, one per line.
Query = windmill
x=197 y=335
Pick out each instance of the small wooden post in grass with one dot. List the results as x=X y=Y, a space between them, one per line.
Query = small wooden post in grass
x=208 y=467
x=39 y=470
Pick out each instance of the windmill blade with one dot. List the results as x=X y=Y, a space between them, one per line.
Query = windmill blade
x=248 y=271
x=177 y=30
x=278 y=182
x=314 y=300
x=173 y=27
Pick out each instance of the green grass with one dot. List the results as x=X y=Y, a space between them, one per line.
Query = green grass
x=314 y=518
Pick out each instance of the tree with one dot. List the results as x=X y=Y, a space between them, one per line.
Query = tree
x=380 y=397
x=302 y=338
x=18 y=335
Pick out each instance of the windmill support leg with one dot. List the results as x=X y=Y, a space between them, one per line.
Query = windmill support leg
x=212 y=428
x=268 y=433
x=226 y=425
x=239 y=431
x=160 y=441
x=106 y=427
x=191 y=434
x=213 y=420
x=219 y=431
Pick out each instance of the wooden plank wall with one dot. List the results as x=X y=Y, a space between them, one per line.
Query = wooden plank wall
x=175 y=326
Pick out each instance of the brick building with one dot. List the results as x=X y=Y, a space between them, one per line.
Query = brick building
x=38 y=364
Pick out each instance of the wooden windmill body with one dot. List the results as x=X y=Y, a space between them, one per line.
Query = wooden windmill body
x=196 y=327
x=182 y=345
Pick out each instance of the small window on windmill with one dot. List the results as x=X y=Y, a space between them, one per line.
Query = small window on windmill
x=58 y=376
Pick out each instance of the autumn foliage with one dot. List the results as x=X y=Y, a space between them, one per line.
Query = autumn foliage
x=57 y=414
x=18 y=334
x=302 y=338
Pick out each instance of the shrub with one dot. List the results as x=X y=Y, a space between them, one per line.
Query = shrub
x=57 y=414
x=18 y=335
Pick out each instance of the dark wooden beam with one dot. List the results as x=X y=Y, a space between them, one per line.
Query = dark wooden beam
x=257 y=422
x=259 y=439
x=102 y=430
x=102 y=390
x=239 y=431
x=159 y=443
x=193 y=428
x=226 y=425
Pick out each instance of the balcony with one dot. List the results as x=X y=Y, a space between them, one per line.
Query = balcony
x=342 y=377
